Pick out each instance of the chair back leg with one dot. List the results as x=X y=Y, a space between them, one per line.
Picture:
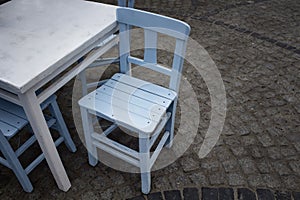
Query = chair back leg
x=15 y=164
x=63 y=130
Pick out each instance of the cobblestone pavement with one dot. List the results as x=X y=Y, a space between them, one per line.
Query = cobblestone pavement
x=256 y=47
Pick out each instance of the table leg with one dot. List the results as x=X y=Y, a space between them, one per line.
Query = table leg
x=37 y=121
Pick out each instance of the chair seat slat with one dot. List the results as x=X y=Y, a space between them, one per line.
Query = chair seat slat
x=154 y=111
x=123 y=96
x=12 y=108
x=8 y=130
x=12 y=119
x=134 y=91
x=144 y=85
x=136 y=118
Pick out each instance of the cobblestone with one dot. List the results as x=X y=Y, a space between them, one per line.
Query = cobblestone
x=248 y=165
x=235 y=179
x=226 y=193
x=246 y=194
x=296 y=195
x=283 y=195
x=264 y=194
x=155 y=196
x=172 y=195
x=190 y=194
x=189 y=164
x=210 y=194
x=256 y=47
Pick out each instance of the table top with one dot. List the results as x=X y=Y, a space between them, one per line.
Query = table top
x=38 y=36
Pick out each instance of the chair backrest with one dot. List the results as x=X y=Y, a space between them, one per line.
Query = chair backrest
x=122 y=3
x=152 y=25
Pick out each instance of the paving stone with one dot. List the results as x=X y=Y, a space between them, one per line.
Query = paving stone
x=296 y=195
x=264 y=194
x=274 y=153
x=190 y=194
x=282 y=141
x=281 y=167
x=223 y=153
x=246 y=194
x=272 y=181
x=293 y=181
x=265 y=139
x=189 y=164
x=89 y=195
x=178 y=180
x=209 y=194
x=137 y=198
x=263 y=166
x=155 y=196
x=283 y=195
x=210 y=165
x=255 y=180
x=239 y=150
x=107 y=194
x=172 y=195
x=217 y=178
x=161 y=183
x=287 y=151
x=248 y=140
x=256 y=151
x=230 y=165
x=235 y=179
x=295 y=165
x=248 y=165
x=126 y=191
x=226 y=194
x=258 y=60
x=198 y=178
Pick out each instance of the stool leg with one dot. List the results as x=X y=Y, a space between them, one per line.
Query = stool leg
x=63 y=130
x=15 y=164
x=145 y=163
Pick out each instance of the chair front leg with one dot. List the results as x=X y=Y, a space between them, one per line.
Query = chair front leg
x=15 y=164
x=88 y=130
x=144 y=150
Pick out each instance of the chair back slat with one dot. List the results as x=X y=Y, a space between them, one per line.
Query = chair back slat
x=177 y=65
x=124 y=48
x=152 y=25
x=150 y=46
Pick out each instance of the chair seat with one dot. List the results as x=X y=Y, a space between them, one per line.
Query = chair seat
x=130 y=102
x=13 y=117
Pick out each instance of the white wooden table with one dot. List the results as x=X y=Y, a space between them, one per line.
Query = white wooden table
x=39 y=40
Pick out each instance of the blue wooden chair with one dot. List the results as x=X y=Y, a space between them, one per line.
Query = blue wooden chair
x=142 y=107
x=110 y=42
x=12 y=120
